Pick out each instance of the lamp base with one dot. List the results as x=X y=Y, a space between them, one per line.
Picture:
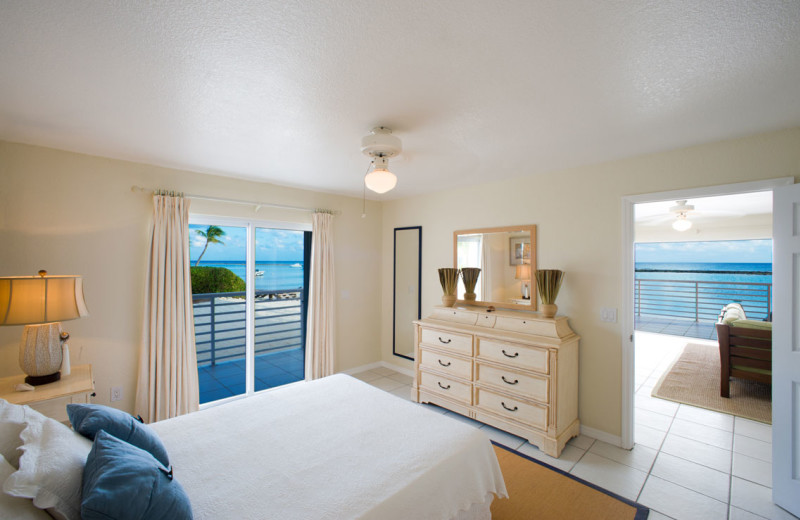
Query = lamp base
x=43 y=380
x=40 y=353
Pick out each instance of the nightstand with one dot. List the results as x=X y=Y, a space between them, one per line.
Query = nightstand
x=52 y=399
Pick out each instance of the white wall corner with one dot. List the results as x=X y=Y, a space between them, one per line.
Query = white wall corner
x=600 y=435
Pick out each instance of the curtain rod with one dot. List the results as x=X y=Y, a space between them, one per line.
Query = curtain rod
x=258 y=205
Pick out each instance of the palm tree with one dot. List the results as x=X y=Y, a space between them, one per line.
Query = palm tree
x=212 y=236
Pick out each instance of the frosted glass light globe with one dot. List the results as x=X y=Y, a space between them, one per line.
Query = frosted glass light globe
x=682 y=224
x=380 y=181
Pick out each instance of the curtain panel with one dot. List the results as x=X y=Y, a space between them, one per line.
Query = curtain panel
x=168 y=384
x=320 y=348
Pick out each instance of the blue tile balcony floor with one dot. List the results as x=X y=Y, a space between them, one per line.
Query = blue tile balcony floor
x=272 y=369
x=676 y=326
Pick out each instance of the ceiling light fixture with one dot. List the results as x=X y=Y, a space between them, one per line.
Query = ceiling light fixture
x=682 y=222
x=380 y=144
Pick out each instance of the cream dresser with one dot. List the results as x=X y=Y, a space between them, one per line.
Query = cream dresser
x=516 y=371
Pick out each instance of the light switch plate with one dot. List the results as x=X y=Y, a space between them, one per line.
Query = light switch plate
x=608 y=314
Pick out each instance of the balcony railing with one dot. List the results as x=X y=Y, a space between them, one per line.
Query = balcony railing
x=701 y=300
x=220 y=324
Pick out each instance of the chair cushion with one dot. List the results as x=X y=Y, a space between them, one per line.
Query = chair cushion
x=124 y=482
x=88 y=419
x=732 y=312
x=752 y=324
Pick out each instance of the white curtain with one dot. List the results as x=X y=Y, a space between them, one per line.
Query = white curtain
x=168 y=384
x=321 y=300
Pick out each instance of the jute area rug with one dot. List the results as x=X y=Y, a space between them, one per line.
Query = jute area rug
x=694 y=379
x=538 y=490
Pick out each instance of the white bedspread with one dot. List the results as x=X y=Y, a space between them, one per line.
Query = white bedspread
x=334 y=448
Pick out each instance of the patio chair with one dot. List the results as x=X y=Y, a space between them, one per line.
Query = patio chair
x=745 y=348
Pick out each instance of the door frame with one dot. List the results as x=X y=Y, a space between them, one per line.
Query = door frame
x=628 y=237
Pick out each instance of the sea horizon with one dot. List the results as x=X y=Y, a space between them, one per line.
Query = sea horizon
x=276 y=275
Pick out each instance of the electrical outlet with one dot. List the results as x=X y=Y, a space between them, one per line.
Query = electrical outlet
x=608 y=314
x=116 y=393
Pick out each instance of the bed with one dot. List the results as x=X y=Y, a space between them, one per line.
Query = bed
x=335 y=448
x=331 y=449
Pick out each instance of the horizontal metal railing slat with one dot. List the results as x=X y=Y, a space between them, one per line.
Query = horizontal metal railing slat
x=699 y=300
x=216 y=339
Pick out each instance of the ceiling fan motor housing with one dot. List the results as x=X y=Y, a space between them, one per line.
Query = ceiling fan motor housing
x=381 y=143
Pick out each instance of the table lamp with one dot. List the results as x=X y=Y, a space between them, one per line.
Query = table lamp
x=41 y=303
x=524 y=274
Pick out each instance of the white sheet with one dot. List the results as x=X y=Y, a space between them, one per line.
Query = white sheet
x=334 y=448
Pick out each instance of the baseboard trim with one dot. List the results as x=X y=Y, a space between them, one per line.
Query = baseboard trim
x=378 y=364
x=600 y=435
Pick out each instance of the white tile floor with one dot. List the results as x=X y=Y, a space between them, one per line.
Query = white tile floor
x=687 y=463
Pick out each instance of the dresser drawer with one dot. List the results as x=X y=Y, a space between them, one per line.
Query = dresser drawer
x=532 y=414
x=526 y=326
x=530 y=387
x=447 y=387
x=486 y=320
x=514 y=355
x=454 y=315
x=461 y=343
x=448 y=364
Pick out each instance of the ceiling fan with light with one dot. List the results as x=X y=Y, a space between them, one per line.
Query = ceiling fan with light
x=681 y=210
x=380 y=145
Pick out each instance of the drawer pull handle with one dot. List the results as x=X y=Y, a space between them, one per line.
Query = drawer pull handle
x=506 y=354
x=514 y=382
x=444 y=364
x=442 y=386
x=445 y=342
x=509 y=409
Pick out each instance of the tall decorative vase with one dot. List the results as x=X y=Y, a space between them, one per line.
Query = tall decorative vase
x=549 y=310
x=470 y=276
x=448 y=277
x=548 y=282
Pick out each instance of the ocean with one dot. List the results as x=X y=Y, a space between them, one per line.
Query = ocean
x=669 y=288
x=277 y=276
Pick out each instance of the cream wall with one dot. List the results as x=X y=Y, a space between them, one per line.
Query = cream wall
x=75 y=214
x=578 y=214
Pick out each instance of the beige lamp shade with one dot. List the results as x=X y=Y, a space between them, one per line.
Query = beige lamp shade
x=523 y=272
x=29 y=300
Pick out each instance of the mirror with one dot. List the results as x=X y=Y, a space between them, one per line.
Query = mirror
x=407 y=282
x=506 y=257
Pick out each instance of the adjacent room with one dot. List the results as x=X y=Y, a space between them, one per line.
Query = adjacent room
x=398 y=260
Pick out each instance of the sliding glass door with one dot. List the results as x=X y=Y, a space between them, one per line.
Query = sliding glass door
x=250 y=294
x=280 y=290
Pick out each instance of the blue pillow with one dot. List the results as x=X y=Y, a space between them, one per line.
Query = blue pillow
x=88 y=419
x=122 y=482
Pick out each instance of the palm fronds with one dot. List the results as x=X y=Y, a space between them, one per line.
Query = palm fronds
x=548 y=282
x=470 y=276
x=448 y=277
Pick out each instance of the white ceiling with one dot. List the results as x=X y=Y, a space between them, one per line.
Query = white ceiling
x=283 y=90
x=743 y=216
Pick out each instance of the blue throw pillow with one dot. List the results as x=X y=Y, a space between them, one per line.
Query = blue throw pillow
x=123 y=482
x=88 y=419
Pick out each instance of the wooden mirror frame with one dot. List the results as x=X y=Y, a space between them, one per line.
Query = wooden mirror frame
x=531 y=228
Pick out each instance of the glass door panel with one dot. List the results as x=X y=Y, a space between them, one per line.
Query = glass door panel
x=280 y=306
x=219 y=274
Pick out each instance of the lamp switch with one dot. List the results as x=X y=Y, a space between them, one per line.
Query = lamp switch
x=116 y=393
x=608 y=314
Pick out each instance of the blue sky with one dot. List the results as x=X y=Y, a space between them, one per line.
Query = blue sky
x=272 y=245
x=733 y=251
